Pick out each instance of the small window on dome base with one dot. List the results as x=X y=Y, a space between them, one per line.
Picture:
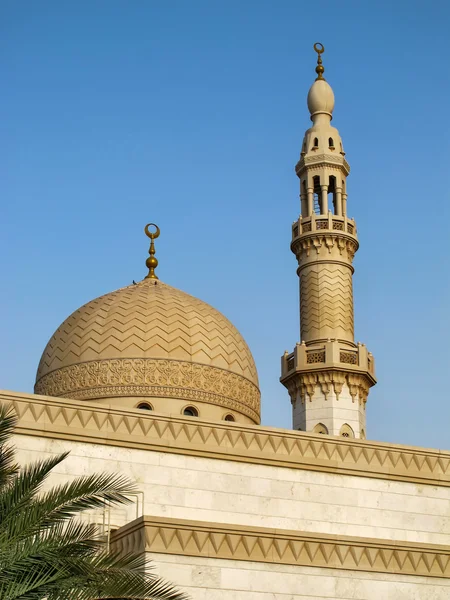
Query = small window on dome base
x=229 y=418
x=190 y=411
x=145 y=406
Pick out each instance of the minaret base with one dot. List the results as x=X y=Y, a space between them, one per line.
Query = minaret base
x=332 y=414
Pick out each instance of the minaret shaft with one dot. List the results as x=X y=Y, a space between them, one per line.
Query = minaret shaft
x=326 y=293
x=328 y=376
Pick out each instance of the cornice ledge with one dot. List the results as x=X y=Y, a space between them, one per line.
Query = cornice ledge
x=85 y=422
x=260 y=544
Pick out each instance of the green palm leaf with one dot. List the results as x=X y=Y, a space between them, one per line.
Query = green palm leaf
x=46 y=553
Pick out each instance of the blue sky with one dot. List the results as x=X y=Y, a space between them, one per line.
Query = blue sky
x=191 y=114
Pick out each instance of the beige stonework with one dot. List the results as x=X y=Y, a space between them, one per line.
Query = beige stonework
x=324 y=242
x=150 y=340
x=61 y=419
x=211 y=488
x=260 y=544
x=221 y=579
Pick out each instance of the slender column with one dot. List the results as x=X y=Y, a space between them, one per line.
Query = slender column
x=324 y=207
x=304 y=204
x=339 y=201
x=344 y=205
x=310 y=192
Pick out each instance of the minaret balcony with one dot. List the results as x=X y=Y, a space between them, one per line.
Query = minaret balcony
x=331 y=355
x=323 y=223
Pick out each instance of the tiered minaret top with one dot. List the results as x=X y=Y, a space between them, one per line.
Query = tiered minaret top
x=328 y=376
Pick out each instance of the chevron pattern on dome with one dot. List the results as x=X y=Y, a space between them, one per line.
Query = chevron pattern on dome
x=148 y=320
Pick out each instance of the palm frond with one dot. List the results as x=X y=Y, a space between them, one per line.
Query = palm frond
x=46 y=554
x=18 y=494
x=8 y=421
x=8 y=466
x=64 y=501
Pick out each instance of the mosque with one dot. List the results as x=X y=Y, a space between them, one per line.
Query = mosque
x=154 y=383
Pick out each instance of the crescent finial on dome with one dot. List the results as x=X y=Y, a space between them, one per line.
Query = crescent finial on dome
x=152 y=261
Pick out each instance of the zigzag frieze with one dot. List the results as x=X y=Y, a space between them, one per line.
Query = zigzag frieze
x=95 y=423
x=260 y=544
x=146 y=318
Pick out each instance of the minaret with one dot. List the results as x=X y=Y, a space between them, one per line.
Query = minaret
x=327 y=375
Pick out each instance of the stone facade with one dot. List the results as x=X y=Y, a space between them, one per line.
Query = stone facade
x=213 y=579
x=231 y=513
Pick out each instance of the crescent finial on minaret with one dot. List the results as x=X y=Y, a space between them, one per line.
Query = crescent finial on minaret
x=320 y=49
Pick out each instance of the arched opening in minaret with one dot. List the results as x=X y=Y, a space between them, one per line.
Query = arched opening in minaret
x=316 y=143
x=346 y=431
x=331 y=143
x=332 y=194
x=317 y=206
x=320 y=428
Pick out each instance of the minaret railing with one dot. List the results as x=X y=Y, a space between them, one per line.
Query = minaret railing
x=320 y=223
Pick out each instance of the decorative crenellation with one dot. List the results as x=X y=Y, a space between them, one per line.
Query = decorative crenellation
x=59 y=418
x=323 y=245
x=336 y=355
x=157 y=378
x=261 y=544
x=302 y=373
x=306 y=384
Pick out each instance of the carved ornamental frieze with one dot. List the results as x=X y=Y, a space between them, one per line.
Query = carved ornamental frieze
x=153 y=378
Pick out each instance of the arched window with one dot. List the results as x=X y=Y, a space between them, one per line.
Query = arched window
x=317 y=197
x=332 y=193
x=346 y=431
x=229 y=418
x=145 y=406
x=330 y=142
x=190 y=411
x=316 y=143
x=320 y=428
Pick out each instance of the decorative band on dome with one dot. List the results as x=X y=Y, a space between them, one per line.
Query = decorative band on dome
x=141 y=377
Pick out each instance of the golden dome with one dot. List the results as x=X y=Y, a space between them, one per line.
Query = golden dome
x=150 y=340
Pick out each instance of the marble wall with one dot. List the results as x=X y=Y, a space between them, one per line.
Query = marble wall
x=189 y=487
x=215 y=579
